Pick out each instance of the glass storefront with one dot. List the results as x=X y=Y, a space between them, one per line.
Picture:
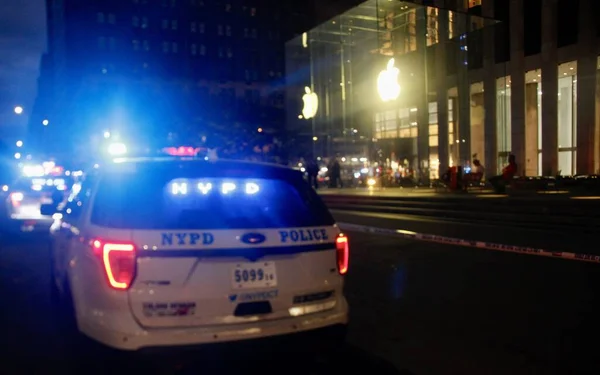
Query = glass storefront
x=367 y=82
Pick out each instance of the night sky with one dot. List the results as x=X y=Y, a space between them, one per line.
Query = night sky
x=22 y=42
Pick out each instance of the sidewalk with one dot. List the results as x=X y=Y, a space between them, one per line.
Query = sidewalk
x=423 y=192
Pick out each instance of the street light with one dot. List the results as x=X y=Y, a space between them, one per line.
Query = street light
x=19 y=143
x=17 y=155
x=45 y=122
x=18 y=110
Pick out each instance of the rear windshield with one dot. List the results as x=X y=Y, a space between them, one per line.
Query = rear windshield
x=159 y=201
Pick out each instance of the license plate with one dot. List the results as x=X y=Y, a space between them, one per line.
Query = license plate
x=254 y=275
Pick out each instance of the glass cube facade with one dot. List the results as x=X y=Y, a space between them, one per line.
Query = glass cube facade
x=387 y=81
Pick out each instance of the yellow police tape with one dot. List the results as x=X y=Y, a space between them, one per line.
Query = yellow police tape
x=470 y=243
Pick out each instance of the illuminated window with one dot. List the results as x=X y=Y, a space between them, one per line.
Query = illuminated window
x=111 y=18
x=136 y=45
x=432 y=26
x=174 y=47
x=144 y=22
x=194 y=49
x=135 y=21
x=220 y=29
x=100 y=17
x=193 y=27
x=146 y=45
x=386 y=125
x=474 y=3
x=228 y=30
x=201 y=28
x=174 y=24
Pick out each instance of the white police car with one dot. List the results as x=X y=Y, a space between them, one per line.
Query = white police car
x=169 y=252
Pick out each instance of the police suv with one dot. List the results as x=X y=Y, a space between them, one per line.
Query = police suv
x=155 y=252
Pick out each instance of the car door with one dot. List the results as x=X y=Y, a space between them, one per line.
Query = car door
x=67 y=228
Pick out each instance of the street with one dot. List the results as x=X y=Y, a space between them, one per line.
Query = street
x=416 y=307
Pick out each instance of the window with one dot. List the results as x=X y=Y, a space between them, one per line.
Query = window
x=385 y=125
x=228 y=7
x=136 y=45
x=165 y=24
x=146 y=45
x=252 y=12
x=474 y=3
x=101 y=42
x=121 y=203
x=503 y=119
x=165 y=47
x=567 y=118
x=229 y=53
x=144 y=22
x=135 y=21
x=254 y=33
x=228 y=30
x=202 y=50
x=112 y=44
x=194 y=49
x=100 y=17
x=174 y=47
x=111 y=18
x=246 y=33
x=193 y=27
x=174 y=24
x=220 y=29
x=220 y=51
x=201 y=28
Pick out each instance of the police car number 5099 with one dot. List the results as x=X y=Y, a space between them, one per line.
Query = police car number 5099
x=155 y=266
x=254 y=275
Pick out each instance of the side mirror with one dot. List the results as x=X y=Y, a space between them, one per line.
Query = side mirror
x=48 y=209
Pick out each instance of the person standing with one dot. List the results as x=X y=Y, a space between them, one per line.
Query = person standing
x=312 y=170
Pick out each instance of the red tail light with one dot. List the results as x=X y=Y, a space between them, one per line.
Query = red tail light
x=118 y=261
x=343 y=253
x=16 y=198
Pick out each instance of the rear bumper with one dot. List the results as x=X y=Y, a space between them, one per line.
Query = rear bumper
x=184 y=337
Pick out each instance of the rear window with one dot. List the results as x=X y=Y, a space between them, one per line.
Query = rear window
x=164 y=201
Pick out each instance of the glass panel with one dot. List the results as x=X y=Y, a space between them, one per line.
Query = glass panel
x=565 y=163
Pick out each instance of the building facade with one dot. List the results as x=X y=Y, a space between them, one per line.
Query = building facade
x=162 y=68
x=437 y=83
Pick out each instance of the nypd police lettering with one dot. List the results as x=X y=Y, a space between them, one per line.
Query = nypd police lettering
x=303 y=235
x=191 y=238
x=184 y=188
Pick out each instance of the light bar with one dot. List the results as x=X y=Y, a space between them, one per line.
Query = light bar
x=182 y=151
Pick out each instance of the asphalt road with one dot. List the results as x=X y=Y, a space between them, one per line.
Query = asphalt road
x=421 y=307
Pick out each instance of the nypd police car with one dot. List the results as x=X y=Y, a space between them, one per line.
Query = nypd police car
x=157 y=252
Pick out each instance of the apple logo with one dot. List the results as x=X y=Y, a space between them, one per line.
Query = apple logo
x=311 y=103
x=387 y=82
